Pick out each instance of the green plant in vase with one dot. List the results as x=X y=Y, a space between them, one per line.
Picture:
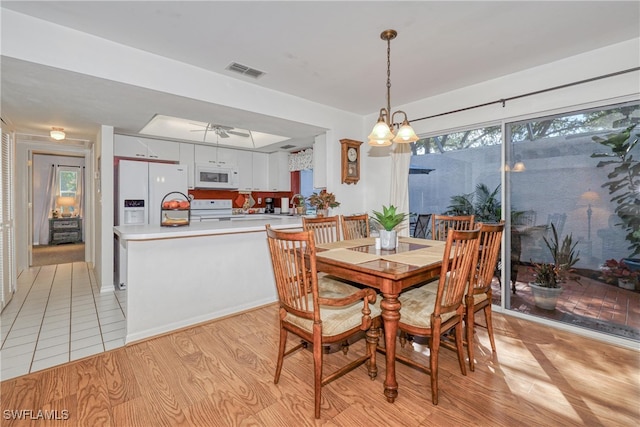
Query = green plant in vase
x=389 y=219
x=322 y=201
x=548 y=277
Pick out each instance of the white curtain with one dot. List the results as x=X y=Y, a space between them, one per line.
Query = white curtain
x=400 y=160
x=80 y=192
x=49 y=204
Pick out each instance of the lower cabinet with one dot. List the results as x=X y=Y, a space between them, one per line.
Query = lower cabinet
x=65 y=230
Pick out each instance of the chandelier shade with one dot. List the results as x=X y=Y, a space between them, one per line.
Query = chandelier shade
x=383 y=134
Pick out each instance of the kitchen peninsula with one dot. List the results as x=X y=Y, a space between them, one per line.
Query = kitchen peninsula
x=180 y=276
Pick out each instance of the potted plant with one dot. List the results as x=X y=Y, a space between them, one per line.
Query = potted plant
x=388 y=219
x=298 y=202
x=618 y=272
x=322 y=201
x=546 y=286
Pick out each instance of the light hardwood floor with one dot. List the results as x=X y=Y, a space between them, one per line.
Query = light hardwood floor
x=221 y=374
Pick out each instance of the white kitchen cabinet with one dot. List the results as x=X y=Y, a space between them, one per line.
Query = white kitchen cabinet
x=279 y=175
x=187 y=158
x=145 y=148
x=245 y=170
x=215 y=154
x=320 y=161
x=260 y=171
x=253 y=169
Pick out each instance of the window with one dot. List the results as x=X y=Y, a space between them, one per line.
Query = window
x=67 y=182
x=563 y=170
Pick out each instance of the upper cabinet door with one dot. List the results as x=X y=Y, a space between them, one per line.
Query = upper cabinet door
x=245 y=170
x=320 y=161
x=145 y=148
x=163 y=150
x=279 y=175
x=187 y=158
x=129 y=146
x=260 y=171
x=216 y=155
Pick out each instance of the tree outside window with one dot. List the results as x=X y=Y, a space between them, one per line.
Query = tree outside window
x=68 y=183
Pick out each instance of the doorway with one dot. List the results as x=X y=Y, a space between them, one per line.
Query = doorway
x=58 y=205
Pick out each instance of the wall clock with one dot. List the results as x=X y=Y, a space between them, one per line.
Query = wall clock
x=350 y=161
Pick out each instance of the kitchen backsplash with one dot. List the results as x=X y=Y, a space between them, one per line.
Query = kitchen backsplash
x=237 y=201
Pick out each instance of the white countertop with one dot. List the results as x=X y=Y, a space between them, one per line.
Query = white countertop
x=239 y=225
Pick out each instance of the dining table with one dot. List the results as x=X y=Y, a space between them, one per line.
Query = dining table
x=412 y=262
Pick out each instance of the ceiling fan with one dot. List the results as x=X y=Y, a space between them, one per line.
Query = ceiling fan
x=220 y=130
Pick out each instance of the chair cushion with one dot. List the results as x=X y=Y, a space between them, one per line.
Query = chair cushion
x=417 y=306
x=335 y=320
x=331 y=287
x=478 y=298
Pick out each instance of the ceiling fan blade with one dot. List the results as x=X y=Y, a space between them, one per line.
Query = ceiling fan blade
x=212 y=126
x=221 y=133
x=233 y=132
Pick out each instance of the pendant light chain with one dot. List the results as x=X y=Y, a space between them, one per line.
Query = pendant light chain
x=383 y=133
x=389 y=82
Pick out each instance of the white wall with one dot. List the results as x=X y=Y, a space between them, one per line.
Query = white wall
x=103 y=190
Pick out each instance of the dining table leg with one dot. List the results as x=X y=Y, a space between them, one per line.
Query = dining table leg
x=391 y=316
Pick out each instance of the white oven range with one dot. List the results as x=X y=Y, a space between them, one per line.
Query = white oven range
x=211 y=209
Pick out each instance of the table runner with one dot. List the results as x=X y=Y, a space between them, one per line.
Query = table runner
x=345 y=255
x=419 y=257
x=345 y=244
x=423 y=242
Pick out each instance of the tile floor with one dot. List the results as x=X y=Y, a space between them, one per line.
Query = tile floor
x=58 y=315
x=586 y=303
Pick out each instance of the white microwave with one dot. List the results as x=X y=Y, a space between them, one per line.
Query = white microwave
x=218 y=177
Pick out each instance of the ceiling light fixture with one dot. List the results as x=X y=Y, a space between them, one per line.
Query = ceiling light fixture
x=382 y=134
x=57 y=134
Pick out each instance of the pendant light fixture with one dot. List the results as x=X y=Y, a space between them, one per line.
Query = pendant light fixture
x=57 y=134
x=382 y=134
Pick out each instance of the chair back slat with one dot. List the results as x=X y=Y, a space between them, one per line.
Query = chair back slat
x=295 y=277
x=355 y=226
x=460 y=255
x=441 y=224
x=490 y=240
x=325 y=229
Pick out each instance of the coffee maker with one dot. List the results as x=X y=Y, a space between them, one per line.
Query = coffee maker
x=268 y=205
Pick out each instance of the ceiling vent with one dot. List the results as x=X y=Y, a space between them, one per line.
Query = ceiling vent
x=243 y=69
x=287 y=147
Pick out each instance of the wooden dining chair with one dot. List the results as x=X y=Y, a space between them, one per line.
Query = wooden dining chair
x=431 y=315
x=422 y=229
x=478 y=296
x=318 y=320
x=441 y=224
x=326 y=229
x=355 y=226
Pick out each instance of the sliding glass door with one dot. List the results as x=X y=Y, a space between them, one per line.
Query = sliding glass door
x=570 y=180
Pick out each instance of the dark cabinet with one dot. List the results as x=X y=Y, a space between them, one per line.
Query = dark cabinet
x=65 y=230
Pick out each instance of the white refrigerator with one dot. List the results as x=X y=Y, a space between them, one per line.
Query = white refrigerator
x=140 y=189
